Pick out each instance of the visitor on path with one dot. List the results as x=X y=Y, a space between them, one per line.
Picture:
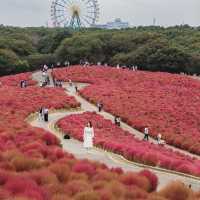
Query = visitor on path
x=146 y=134
x=99 y=106
x=76 y=88
x=41 y=112
x=46 y=114
x=160 y=140
x=70 y=83
x=88 y=136
x=117 y=121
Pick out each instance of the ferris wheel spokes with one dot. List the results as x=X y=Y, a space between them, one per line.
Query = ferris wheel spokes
x=74 y=13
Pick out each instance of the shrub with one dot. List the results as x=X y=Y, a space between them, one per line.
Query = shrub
x=77 y=186
x=84 y=167
x=21 y=185
x=50 y=139
x=87 y=196
x=4 y=194
x=61 y=171
x=44 y=177
x=176 y=191
x=152 y=179
x=134 y=192
x=60 y=197
x=132 y=179
x=23 y=163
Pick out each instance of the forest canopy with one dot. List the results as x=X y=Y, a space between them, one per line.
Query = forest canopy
x=173 y=49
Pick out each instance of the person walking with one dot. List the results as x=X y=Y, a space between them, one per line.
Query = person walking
x=118 y=121
x=88 y=136
x=146 y=134
x=99 y=106
x=46 y=114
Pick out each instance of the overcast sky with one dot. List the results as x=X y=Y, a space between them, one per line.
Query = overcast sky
x=137 y=12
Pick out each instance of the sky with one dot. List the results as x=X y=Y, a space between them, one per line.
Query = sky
x=136 y=12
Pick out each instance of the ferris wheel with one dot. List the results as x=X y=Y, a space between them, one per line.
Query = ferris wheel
x=74 y=13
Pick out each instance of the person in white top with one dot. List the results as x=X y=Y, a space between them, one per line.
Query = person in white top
x=88 y=136
x=146 y=134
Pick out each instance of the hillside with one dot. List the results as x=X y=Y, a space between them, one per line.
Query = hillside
x=174 y=49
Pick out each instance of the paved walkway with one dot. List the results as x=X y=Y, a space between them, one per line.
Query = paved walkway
x=111 y=160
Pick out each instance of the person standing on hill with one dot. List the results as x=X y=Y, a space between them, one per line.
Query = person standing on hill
x=146 y=134
x=88 y=136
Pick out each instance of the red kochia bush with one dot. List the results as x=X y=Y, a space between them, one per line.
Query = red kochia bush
x=77 y=186
x=152 y=179
x=18 y=185
x=177 y=191
x=84 y=167
x=50 y=139
x=131 y=179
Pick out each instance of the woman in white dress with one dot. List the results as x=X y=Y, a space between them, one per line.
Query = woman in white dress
x=88 y=136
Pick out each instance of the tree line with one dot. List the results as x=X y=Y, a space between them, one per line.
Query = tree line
x=172 y=49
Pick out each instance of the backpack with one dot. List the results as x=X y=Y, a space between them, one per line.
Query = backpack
x=67 y=137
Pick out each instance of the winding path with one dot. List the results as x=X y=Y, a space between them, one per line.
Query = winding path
x=112 y=160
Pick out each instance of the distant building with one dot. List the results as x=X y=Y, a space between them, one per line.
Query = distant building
x=116 y=24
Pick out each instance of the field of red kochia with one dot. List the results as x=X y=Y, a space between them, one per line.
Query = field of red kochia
x=33 y=166
x=165 y=103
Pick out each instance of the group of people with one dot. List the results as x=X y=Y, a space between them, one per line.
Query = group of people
x=23 y=84
x=44 y=114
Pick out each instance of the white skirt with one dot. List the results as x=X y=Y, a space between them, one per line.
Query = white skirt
x=88 y=142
